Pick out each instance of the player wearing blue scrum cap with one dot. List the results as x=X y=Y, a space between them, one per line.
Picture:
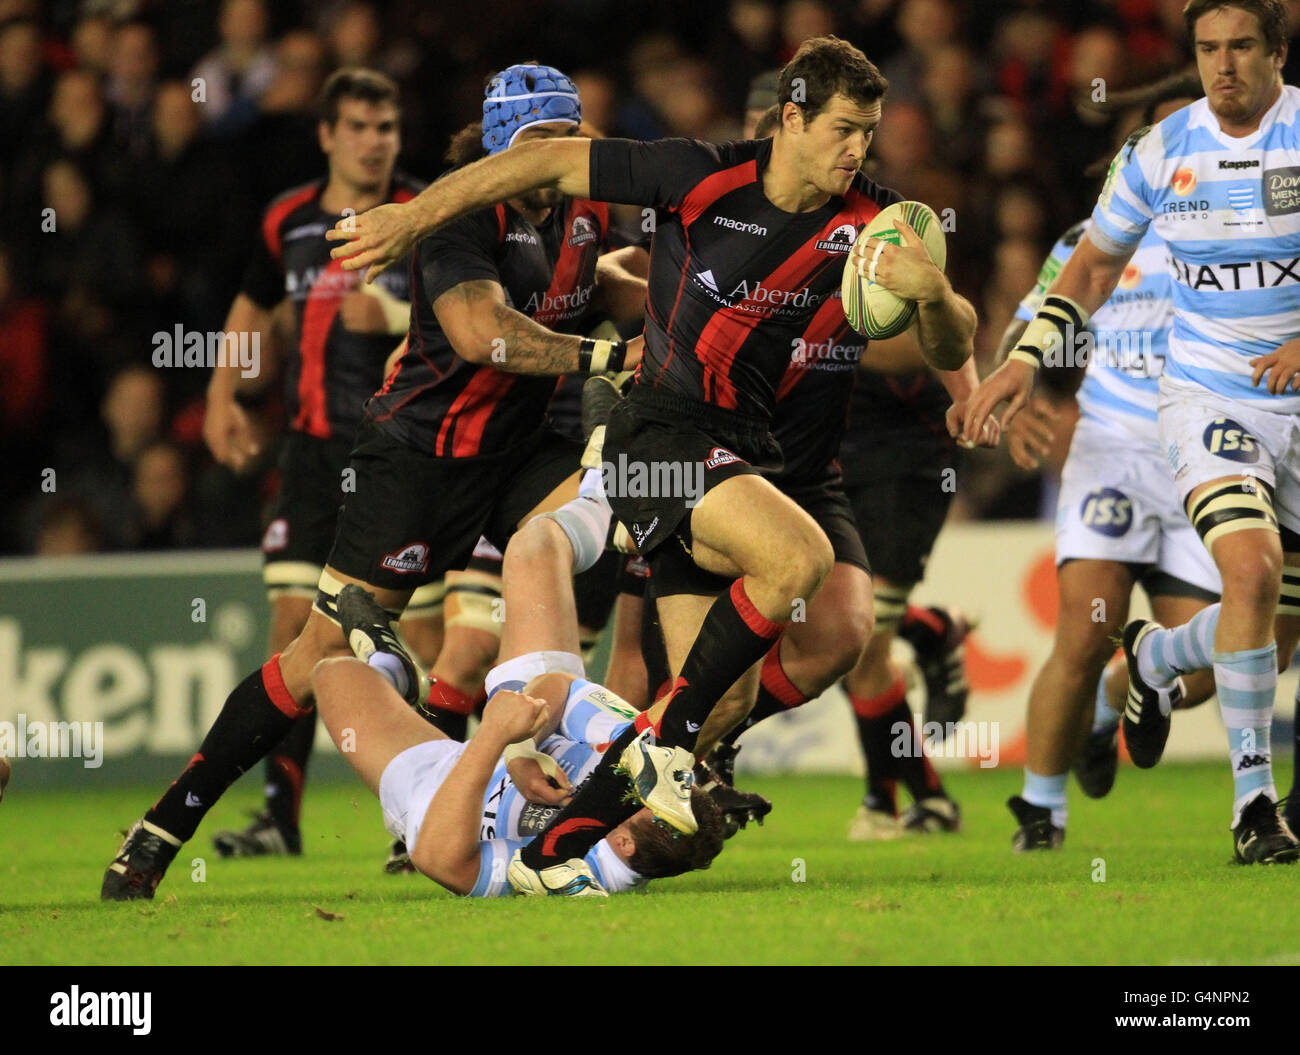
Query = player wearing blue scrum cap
x=453 y=447
x=525 y=95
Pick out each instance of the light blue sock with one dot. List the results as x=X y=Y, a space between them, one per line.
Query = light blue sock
x=1046 y=791
x=1246 y=682
x=1164 y=654
x=1103 y=717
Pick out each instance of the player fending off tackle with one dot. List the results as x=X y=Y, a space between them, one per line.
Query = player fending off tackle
x=744 y=257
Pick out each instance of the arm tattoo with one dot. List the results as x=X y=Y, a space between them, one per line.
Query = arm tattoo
x=515 y=343
x=530 y=348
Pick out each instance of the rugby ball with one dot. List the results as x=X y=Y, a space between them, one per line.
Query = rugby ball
x=871 y=309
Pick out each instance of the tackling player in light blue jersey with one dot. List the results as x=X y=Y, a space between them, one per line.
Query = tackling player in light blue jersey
x=465 y=810
x=1219 y=181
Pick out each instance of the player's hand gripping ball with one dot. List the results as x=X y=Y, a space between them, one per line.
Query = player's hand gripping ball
x=886 y=265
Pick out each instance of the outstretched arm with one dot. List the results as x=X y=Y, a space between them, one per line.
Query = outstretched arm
x=1084 y=285
x=447 y=850
x=381 y=235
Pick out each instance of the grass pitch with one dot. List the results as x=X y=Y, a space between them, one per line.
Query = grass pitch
x=1169 y=895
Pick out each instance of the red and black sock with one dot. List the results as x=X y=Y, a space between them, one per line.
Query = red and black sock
x=449 y=708
x=891 y=743
x=257 y=714
x=602 y=803
x=735 y=635
x=286 y=771
x=777 y=694
x=876 y=716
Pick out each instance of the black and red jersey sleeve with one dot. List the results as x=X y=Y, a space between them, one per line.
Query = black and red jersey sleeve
x=462 y=251
x=263 y=281
x=661 y=173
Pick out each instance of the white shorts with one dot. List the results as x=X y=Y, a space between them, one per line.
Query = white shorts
x=1118 y=503
x=409 y=782
x=1208 y=436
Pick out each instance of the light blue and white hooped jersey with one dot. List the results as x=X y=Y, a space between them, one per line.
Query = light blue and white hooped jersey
x=1229 y=211
x=509 y=820
x=1130 y=336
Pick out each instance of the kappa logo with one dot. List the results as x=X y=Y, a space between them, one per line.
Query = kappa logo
x=408 y=559
x=277 y=535
x=720 y=456
x=1251 y=761
x=582 y=231
x=840 y=241
x=1184 y=182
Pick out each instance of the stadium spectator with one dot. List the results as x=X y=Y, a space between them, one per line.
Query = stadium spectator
x=88 y=259
x=239 y=70
x=355 y=36
x=92 y=43
x=24 y=83
x=176 y=191
x=133 y=70
x=159 y=487
x=68 y=527
x=283 y=137
x=924 y=26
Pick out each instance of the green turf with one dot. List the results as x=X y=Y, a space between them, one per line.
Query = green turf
x=1170 y=894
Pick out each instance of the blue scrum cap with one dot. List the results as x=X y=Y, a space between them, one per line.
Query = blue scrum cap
x=526 y=95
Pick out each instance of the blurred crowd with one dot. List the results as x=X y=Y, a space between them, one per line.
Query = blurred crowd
x=139 y=140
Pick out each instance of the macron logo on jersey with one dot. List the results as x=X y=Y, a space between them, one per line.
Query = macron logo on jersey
x=740 y=225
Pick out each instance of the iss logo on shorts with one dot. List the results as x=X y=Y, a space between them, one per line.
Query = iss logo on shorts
x=1229 y=439
x=408 y=559
x=1107 y=512
x=720 y=456
x=277 y=535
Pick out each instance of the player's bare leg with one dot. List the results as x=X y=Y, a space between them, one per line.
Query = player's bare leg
x=1094 y=599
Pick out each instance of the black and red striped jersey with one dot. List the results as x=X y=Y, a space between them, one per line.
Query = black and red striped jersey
x=434 y=400
x=812 y=399
x=734 y=281
x=331 y=371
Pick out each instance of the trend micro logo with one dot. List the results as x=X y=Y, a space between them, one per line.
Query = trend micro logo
x=1184 y=182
